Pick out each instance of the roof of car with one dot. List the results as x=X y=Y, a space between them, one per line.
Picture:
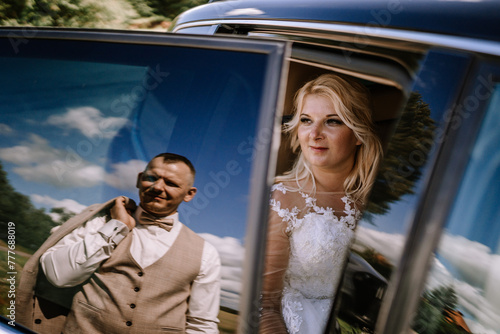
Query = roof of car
x=467 y=18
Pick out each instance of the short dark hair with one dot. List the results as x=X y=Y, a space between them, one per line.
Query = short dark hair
x=172 y=158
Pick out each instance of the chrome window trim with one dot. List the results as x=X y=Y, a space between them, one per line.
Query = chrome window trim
x=431 y=39
x=216 y=42
x=212 y=29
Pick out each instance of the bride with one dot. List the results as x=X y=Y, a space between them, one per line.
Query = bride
x=315 y=206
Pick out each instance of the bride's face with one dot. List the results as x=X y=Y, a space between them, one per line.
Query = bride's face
x=325 y=140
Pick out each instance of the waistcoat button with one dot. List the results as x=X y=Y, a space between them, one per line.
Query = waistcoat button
x=132 y=305
x=38 y=321
x=140 y=273
x=128 y=323
x=136 y=289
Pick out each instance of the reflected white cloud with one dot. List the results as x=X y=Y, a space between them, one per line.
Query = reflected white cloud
x=89 y=121
x=471 y=259
x=37 y=161
x=59 y=175
x=231 y=252
x=387 y=244
x=124 y=174
x=244 y=11
x=5 y=130
x=68 y=204
x=472 y=300
x=475 y=276
x=35 y=150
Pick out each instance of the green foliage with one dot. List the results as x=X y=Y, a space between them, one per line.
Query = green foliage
x=406 y=155
x=172 y=8
x=443 y=297
x=63 y=213
x=434 y=315
x=32 y=225
x=142 y=8
x=11 y=9
x=62 y=13
x=347 y=328
x=91 y=13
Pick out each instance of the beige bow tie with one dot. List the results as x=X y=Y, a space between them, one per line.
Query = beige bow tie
x=146 y=218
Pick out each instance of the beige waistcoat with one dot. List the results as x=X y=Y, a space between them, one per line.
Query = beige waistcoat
x=122 y=297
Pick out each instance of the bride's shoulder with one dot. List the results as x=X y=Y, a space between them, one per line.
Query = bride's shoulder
x=279 y=187
x=279 y=194
x=283 y=190
x=284 y=202
x=285 y=193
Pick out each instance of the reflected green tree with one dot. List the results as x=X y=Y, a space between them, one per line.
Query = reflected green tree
x=92 y=14
x=52 y=13
x=63 y=215
x=405 y=156
x=172 y=8
x=11 y=9
x=32 y=225
x=437 y=313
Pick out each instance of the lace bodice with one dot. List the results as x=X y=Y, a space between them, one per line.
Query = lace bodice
x=319 y=239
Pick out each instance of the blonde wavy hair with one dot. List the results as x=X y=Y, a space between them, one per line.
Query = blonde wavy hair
x=351 y=101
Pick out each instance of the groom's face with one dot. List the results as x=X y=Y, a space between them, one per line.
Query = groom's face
x=163 y=186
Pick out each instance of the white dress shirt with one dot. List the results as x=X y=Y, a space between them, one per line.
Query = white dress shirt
x=79 y=254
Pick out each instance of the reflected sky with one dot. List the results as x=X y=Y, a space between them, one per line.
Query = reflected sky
x=83 y=132
x=469 y=255
x=74 y=133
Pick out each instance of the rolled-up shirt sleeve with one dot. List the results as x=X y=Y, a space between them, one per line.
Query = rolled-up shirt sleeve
x=78 y=255
x=205 y=294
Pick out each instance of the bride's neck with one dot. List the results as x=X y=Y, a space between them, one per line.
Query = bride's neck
x=329 y=181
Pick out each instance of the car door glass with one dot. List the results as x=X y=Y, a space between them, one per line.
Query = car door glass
x=381 y=234
x=80 y=119
x=462 y=294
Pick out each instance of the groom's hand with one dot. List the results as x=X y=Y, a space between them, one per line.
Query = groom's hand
x=122 y=211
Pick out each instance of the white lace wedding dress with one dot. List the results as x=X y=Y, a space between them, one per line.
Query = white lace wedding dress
x=319 y=238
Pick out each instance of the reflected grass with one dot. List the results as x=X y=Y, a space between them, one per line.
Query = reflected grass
x=228 y=321
x=346 y=328
x=20 y=258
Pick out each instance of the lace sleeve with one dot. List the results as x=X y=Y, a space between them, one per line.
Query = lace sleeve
x=276 y=263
